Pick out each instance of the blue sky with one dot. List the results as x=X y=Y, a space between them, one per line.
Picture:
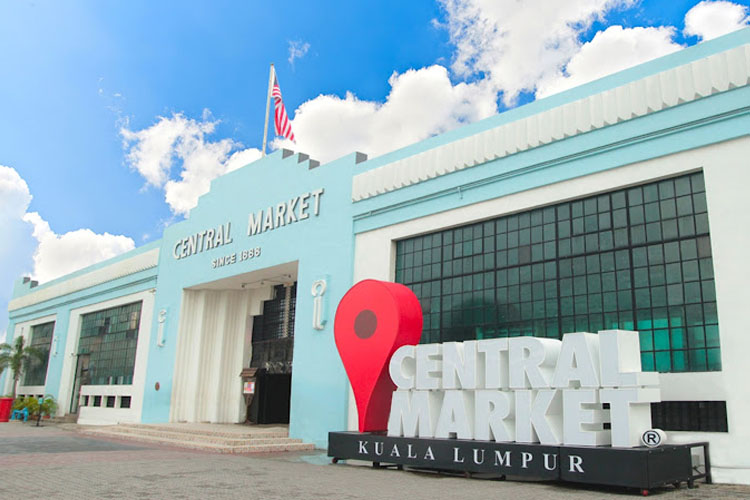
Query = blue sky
x=154 y=58
x=114 y=116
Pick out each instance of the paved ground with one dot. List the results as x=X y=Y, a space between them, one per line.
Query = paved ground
x=50 y=462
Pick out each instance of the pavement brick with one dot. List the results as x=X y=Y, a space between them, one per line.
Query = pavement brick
x=121 y=471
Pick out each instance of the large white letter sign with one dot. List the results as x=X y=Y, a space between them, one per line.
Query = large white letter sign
x=429 y=366
x=491 y=410
x=460 y=365
x=583 y=418
x=525 y=389
x=539 y=417
x=621 y=360
x=531 y=362
x=578 y=364
x=492 y=368
x=414 y=413
x=630 y=412
x=402 y=367
x=457 y=416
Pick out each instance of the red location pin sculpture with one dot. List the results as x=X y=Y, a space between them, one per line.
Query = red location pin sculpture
x=373 y=320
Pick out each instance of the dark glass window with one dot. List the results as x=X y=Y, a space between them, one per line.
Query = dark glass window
x=41 y=339
x=110 y=401
x=97 y=400
x=110 y=338
x=634 y=259
x=273 y=321
x=124 y=401
x=273 y=331
x=701 y=416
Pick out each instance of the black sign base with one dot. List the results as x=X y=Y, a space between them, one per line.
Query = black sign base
x=642 y=468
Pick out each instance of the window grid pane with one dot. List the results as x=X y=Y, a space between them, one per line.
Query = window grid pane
x=41 y=339
x=110 y=338
x=634 y=259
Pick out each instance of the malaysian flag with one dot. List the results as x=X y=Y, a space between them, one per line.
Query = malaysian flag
x=280 y=118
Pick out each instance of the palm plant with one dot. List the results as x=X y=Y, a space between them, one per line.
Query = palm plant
x=18 y=358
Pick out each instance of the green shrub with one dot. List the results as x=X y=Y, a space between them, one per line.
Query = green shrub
x=31 y=404
x=48 y=406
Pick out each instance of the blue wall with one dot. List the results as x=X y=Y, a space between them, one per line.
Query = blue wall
x=62 y=305
x=321 y=245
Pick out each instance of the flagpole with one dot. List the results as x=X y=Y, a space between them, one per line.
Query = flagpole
x=268 y=105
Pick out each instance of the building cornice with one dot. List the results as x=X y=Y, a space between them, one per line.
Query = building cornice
x=119 y=269
x=702 y=78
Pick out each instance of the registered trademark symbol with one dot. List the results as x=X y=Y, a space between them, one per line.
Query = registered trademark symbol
x=652 y=438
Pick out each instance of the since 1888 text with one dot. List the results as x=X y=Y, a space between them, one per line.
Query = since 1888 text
x=233 y=258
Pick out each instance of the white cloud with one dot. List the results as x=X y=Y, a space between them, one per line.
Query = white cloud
x=536 y=47
x=241 y=158
x=516 y=46
x=17 y=244
x=14 y=194
x=421 y=103
x=711 y=19
x=60 y=254
x=297 y=50
x=180 y=141
x=26 y=233
x=612 y=50
x=151 y=151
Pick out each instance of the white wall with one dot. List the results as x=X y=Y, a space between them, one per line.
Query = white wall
x=101 y=415
x=727 y=177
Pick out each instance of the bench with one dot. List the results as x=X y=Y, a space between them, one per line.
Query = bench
x=19 y=414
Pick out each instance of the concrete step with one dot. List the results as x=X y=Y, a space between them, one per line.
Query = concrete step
x=203 y=437
x=233 y=431
x=222 y=445
x=65 y=419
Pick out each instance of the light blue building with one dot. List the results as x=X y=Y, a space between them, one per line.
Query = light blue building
x=618 y=204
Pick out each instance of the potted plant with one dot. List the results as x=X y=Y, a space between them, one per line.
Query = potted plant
x=6 y=406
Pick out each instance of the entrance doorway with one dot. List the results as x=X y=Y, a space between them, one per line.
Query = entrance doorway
x=83 y=377
x=271 y=402
x=272 y=349
x=226 y=327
